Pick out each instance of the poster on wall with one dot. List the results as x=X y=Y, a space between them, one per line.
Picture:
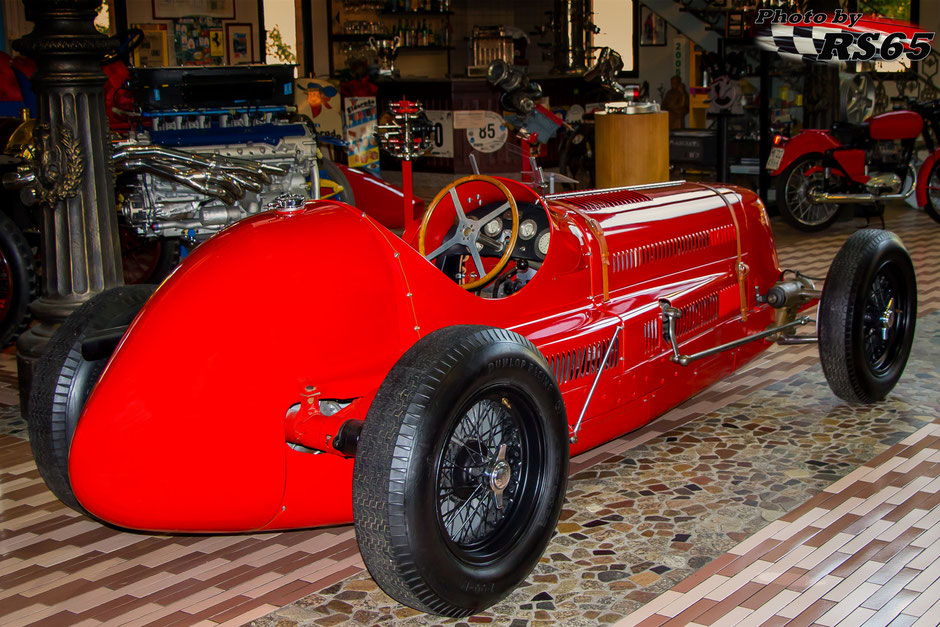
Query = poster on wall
x=361 y=115
x=171 y=9
x=320 y=101
x=442 y=140
x=489 y=134
x=239 y=42
x=193 y=38
x=153 y=51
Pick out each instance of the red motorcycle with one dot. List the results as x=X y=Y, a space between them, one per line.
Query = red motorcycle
x=862 y=164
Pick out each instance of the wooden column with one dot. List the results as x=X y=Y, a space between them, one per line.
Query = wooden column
x=631 y=149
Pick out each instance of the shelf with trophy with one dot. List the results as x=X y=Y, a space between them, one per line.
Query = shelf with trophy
x=409 y=38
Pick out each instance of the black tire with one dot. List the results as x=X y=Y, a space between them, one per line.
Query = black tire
x=576 y=156
x=933 y=192
x=867 y=315
x=417 y=469
x=792 y=190
x=147 y=260
x=331 y=171
x=63 y=380
x=18 y=282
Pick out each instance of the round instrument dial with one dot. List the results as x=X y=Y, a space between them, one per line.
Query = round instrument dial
x=527 y=229
x=493 y=227
x=542 y=243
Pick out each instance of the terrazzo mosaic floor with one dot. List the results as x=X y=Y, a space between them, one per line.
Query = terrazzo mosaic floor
x=651 y=513
x=638 y=523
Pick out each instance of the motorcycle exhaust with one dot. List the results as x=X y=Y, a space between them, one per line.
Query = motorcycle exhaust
x=825 y=198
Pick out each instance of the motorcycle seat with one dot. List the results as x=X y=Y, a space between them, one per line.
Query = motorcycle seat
x=849 y=134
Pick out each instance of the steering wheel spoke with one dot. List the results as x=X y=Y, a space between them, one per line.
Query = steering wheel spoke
x=468 y=231
x=456 y=239
x=461 y=216
x=477 y=260
x=492 y=214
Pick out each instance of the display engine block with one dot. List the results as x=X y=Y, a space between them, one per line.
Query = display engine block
x=194 y=172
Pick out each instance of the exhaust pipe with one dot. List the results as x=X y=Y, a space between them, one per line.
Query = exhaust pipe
x=825 y=198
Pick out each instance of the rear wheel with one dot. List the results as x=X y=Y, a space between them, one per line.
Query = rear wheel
x=794 y=189
x=867 y=315
x=147 y=259
x=331 y=172
x=64 y=379
x=460 y=472
x=933 y=192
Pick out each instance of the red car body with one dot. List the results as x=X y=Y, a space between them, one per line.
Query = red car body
x=189 y=431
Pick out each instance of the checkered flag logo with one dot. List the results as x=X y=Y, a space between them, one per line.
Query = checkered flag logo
x=799 y=37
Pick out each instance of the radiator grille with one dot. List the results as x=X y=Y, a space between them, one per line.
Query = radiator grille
x=651 y=335
x=583 y=361
x=667 y=249
x=600 y=200
x=698 y=315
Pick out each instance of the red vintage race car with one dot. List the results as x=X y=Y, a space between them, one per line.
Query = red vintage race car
x=430 y=388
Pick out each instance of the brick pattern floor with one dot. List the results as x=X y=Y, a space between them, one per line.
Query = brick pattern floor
x=864 y=551
x=59 y=568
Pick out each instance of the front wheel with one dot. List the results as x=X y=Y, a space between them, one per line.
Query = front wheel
x=460 y=472
x=932 y=208
x=866 y=316
x=794 y=200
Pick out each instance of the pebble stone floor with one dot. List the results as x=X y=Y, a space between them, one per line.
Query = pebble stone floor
x=763 y=500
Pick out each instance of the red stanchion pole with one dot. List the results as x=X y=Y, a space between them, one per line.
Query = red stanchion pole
x=407 y=193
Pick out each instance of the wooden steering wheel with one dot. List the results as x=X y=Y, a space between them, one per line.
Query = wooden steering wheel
x=469 y=230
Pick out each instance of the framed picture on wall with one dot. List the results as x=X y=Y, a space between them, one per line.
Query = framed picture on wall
x=169 y=9
x=734 y=26
x=652 y=28
x=154 y=49
x=239 y=39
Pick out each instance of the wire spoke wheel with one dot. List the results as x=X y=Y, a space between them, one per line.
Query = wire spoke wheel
x=799 y=189
x=6 y=286
x=867 y=315
x=881 y=321
x=933 y=193
x=481 y=474
x=460 y=470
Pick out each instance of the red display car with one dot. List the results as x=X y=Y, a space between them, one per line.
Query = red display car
x=309 y=367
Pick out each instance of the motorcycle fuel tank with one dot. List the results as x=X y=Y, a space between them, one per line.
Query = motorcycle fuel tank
x=895 y=125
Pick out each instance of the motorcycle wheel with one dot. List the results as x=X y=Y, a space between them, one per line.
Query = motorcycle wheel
x=576 y=156
x=933 y=193
x=18 y=282
x=793 y=189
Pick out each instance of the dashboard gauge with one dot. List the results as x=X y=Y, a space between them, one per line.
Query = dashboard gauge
x=542 y=244
x=527 y=229
x=493 y=227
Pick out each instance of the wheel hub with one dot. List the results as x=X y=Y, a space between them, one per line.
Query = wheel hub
x=888 y=318
x=499 y=474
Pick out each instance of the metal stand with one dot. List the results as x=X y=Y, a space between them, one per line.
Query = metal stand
x=721 y=163
x=81 y=255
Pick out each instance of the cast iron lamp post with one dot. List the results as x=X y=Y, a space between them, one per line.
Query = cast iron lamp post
x=81 y=255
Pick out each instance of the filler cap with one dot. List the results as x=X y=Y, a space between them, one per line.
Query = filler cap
x=288 y=204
